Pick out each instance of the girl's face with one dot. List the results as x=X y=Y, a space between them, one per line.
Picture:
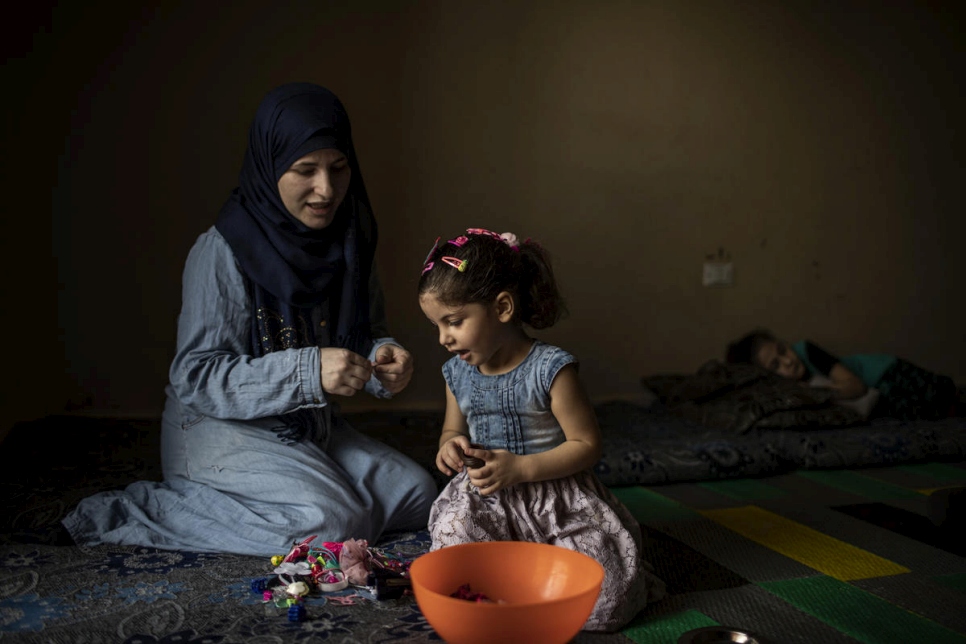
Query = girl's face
x=314 y=187
x=474 y=332
x=778 y=357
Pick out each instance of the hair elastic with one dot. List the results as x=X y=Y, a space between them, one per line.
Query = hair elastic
x=483 y=231
x=509 y=238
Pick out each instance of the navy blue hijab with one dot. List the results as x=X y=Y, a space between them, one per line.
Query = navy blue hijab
x=292 y=268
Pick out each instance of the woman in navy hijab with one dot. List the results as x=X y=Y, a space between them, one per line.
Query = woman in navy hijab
x=281 y=308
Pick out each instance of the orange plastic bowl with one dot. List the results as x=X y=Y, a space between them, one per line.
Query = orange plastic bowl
x=544 y=593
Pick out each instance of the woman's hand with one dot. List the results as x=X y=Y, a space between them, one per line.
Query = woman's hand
x=501 y=469
x=343 y=372
x=393 y=367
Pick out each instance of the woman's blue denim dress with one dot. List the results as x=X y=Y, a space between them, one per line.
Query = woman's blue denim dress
x=232 y=481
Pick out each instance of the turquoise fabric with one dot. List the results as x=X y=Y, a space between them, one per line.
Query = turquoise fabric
x=869 y=367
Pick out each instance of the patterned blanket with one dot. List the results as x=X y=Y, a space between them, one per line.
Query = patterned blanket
x=650 y=445
x=742 y=397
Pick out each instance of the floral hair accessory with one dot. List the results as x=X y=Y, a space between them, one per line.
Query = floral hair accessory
x=511 y=240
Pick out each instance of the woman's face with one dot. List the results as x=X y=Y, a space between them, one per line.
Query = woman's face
x=778 y=357
x=314 y=187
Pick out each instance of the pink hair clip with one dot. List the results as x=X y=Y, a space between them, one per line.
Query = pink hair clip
x=427 y=265
x=459 y=241
x=458 y=264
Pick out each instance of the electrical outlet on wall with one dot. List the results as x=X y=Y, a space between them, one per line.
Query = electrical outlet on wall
x=718 y=274
x=718 y=269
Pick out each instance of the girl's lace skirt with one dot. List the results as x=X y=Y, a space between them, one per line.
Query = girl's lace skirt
x=577 y=512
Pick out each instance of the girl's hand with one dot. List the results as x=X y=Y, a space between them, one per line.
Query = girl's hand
x=501 y=469
x=448 y=458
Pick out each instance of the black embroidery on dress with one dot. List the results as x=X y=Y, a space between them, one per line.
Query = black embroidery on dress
x=275 y=333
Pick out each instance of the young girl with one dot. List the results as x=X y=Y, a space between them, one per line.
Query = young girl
x=517 y=404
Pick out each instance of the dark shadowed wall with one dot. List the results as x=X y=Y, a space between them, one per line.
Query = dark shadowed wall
x=819 y=145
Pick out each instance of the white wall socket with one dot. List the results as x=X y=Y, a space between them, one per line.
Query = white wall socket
x=718 y=274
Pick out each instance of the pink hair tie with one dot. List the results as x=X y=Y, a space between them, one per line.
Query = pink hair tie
x=482 y=231
x=509 y=238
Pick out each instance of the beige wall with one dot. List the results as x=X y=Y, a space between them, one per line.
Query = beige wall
x=818 y=145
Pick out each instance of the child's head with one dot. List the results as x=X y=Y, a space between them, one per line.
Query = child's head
x=763 y=349
x=744 y=350
x=476 y=267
